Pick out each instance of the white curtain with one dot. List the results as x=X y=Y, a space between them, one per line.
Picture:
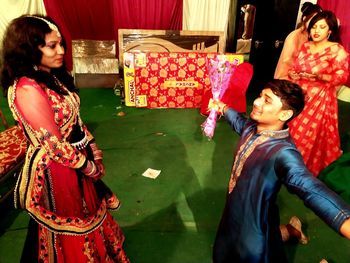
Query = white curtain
x=208 y=15
x=11 y=9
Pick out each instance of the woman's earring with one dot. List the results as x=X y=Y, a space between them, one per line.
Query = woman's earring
x=329 y=34
x=35 y=67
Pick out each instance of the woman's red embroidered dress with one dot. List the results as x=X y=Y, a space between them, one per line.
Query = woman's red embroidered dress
x=73 y=222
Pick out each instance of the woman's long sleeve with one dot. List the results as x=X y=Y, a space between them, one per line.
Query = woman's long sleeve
x=37 y=114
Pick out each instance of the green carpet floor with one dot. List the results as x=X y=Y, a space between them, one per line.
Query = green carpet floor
x=173 y=218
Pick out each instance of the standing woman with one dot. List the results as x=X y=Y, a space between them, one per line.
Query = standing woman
x=57 y=186
x=295 y=40
x=320 y=68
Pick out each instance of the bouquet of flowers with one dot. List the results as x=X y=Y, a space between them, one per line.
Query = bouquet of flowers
x=220 y=71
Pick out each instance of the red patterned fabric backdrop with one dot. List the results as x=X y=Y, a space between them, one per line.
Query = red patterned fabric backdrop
x=13 y=147
x=148 y=14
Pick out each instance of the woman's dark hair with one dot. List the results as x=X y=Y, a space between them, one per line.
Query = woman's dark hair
x=332 y=23
x=20 y=54
x=308 y=10
x=291 y=95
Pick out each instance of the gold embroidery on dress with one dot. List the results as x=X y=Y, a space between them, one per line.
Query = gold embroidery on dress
x=46 y=246
x=28 y=187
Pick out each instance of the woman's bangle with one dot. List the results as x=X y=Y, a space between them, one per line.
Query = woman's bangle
x=98 y=155
x=90 y=169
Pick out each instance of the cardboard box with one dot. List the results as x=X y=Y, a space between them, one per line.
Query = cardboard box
x=141 y=40
x=168 y=80
x=95 y=63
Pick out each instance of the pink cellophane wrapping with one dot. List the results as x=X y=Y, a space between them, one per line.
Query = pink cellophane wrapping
x=219 y=71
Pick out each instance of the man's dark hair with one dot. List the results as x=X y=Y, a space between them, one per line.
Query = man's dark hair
x=291 y=95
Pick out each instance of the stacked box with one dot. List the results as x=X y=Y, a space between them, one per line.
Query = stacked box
x=168 y=80
x=95 y=63
x=144 y=40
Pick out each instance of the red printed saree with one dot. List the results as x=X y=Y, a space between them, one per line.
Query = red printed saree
x=315 y=130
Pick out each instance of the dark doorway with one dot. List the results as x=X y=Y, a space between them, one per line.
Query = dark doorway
x=274 y=19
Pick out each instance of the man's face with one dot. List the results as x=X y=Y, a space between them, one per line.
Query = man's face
x=267 y=110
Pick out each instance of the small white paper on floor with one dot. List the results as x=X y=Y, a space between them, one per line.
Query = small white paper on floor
x=151 y=173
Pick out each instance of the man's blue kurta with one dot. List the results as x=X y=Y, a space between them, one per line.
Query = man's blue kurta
x=249 y=228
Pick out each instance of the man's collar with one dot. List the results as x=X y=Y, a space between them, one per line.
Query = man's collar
x=276 y=134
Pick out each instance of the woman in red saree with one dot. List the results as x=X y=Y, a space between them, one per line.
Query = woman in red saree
x=59 y=185
x=295 y=40
x=320 y=68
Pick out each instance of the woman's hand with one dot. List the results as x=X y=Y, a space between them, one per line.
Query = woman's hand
x=302 y=75
x=305 y=75
x=293 y=75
